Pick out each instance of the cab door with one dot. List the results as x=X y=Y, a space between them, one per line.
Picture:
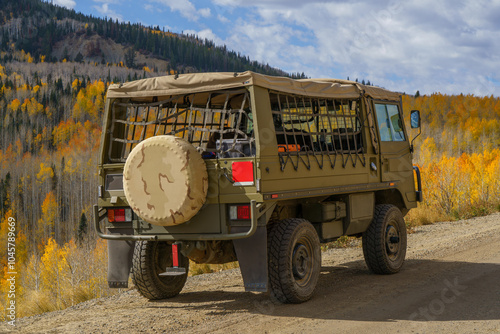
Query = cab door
x=395 y=156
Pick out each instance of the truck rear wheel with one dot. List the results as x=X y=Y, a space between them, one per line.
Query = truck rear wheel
x=294 y=260
x=151 y=258
x=384 y=242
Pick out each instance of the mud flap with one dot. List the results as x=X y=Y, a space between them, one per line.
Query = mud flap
x=252 y=257
x=120 y=253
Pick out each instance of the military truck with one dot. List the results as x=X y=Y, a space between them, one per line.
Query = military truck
x=222 y=167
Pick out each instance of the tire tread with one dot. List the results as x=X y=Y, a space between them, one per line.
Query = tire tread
x=143 y=274
x=280 y=280
x=373 y=244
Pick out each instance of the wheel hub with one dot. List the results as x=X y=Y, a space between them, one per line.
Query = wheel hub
x=300 y=261
x=392 y=240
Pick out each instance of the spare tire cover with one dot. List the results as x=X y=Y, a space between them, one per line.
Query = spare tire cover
x=165 y=180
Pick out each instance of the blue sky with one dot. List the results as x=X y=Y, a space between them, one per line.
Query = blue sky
x=432 y=46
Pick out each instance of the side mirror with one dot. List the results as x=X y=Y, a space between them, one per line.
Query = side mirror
x=415 y=124
x=415 y=119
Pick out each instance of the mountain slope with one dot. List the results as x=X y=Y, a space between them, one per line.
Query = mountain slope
x=43 y=29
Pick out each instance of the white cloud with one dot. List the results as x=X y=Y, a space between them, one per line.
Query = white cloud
x=149 y=7
x=106 y=11
x=205 y=12
x=205 y=34
x=423 y=45
x=186 y=9
x=223 y=19
x=108 y=1
x=65 y=3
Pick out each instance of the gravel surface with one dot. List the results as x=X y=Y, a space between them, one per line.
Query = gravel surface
x=450 y=283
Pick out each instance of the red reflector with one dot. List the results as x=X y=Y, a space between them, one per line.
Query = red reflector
x=274 y=196
x=243 y=212
x=175 y=256
x=111 y=215
x=119 y=215
x=242 y=173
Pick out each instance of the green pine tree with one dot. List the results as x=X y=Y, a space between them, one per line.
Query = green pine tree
x=82 y=227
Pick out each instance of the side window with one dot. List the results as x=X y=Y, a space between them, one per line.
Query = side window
x=317 y=128
x=389 y=122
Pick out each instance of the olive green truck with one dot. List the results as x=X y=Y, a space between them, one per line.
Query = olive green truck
x=222 y=167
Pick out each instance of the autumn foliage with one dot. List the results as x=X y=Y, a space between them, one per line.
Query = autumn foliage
x=49 y=138
x=59 y=276
x=459 y=156
x=460 y=187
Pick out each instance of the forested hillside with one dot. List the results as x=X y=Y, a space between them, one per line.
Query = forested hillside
x=56 y=34
x=55 y=67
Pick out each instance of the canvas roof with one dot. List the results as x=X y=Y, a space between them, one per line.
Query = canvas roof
x=201 y=82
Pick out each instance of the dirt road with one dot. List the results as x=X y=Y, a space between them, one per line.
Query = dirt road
x=449 y=284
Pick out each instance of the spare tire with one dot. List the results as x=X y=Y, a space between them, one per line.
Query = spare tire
x=165 y=180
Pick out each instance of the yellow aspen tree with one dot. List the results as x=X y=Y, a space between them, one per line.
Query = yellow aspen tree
x=75 y=84
x=49 y=213
x=14 y=105
x=45 y=173
x=31 y=283
x=54 y=271
x=98 y=273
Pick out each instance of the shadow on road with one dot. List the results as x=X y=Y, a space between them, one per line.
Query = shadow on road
x=425 y=290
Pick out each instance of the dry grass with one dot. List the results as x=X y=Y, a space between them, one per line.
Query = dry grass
x=37 y=302
x=83 y=294
x=425 y=215
x=342 y=242
x=204 y=268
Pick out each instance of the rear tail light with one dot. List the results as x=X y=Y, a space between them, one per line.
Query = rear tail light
x=119 y=215
x=239 y=212
x=111 y=215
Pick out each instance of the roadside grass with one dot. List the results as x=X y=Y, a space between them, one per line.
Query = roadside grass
x=342 y=242
x=425 y=214
x=38 y=302
x=204 y=268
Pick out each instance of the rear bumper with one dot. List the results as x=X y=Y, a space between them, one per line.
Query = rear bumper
x=229 y=236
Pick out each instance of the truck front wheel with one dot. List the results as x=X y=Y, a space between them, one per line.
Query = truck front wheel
x=294 y=260
x=151 y=258
x=384 y=242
